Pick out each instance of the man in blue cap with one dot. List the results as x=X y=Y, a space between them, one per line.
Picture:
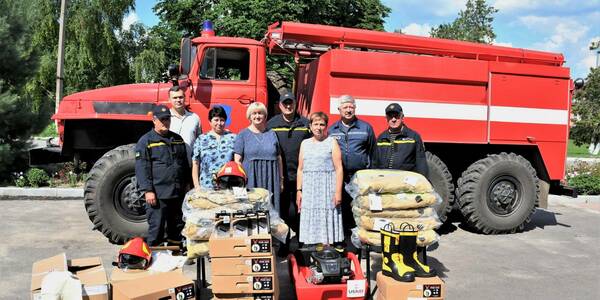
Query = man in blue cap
x=162 y=172
x=399 y=147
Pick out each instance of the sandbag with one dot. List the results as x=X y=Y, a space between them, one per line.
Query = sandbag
x=424 y=238
x=387 y=182
x=196 y=249
x=407 y=213
x=373 y=223
x=210 y=199
x=396 y=201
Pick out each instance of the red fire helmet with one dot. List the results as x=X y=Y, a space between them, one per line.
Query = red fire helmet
x=231 y=174
x=135 y=254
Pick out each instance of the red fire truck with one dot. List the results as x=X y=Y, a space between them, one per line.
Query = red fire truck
x=495 y=120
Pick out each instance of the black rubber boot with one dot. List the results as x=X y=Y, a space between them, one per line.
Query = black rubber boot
x=392 y=263
x=407 y=248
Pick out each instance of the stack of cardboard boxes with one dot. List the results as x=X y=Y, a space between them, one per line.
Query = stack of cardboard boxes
x=432 y=288
x=242 y=261
x=126 y=285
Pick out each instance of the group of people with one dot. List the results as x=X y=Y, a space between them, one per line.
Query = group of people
x=304 y=163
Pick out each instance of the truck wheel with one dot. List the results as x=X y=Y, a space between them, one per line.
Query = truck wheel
x=111 y=199
x=441 y=179
x=498 y=194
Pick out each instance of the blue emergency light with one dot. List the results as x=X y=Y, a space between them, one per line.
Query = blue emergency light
x=207 y=29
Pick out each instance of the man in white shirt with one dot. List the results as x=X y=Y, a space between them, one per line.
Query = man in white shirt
x=183 y=122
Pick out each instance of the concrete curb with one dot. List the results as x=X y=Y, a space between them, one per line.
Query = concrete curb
x=46 y=193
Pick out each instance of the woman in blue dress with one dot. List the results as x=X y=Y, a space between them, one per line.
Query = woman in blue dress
x=319 y=186
x=212 y=149
x=257 y=149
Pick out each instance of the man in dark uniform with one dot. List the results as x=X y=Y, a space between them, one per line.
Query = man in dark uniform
x=356 y=140
x=291 y=130
x=162 y=172
x=399 y=147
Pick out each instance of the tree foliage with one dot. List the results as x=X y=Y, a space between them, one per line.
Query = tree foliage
x=586 y=108
x=17 y=61
x=473 y=24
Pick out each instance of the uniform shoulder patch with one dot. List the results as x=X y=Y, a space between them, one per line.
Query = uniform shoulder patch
x=138 y=154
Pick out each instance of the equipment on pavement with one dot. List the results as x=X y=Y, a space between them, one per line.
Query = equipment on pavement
x=135 y=254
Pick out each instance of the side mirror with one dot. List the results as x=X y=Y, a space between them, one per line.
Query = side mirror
x=579 y=83
x=186 y=55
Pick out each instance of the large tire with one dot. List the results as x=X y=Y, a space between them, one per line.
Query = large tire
x=111 y=199
x=441 y=179
x=498 y=194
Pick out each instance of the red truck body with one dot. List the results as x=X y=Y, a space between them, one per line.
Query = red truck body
x=467 y=100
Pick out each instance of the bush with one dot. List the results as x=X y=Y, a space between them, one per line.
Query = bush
x=586 y=184
x=584 y=177
x=37 y=177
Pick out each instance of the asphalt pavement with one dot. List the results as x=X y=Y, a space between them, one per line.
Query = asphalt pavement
x=556 y=257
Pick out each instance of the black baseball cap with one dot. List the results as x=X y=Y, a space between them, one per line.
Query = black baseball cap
x=287 y=96
x=393 y=108
x=161 y=112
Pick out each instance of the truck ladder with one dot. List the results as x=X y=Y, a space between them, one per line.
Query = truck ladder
x=309 y=40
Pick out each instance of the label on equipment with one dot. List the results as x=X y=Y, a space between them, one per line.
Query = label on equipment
x=355 y=288
x=410 y=180
x=263 y=297
x=185 y=292
x=262 y=283
x=379 y=223
x=375 y=202
x=260 y=245
x=240 y=192
x=432 y=291
x=260 y=265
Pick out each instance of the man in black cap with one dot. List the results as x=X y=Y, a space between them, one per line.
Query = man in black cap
x=291 y=130
x=399 y=147
x=162 y=172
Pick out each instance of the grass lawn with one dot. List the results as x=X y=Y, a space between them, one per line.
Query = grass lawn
x=578 y=151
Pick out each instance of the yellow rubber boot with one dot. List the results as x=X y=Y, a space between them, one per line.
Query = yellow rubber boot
x=392 y=262
x=407 y=248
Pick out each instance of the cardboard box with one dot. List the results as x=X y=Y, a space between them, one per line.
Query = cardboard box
x=251 y=284
x=169 y=285
x=90 y=271
x=242 y=266
x=255 y=245
x=274 y=296
x=117 y=274
x=432 y=288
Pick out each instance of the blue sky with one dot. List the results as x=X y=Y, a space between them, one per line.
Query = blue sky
x=562 y=26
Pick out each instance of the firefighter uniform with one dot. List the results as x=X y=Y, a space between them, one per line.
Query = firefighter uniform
x=401 y=151
x=290 y=136
x=161 y=167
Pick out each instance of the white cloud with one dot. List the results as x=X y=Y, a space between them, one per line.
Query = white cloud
x=129 y=20
x=502 y=44
x=417 y=29
x=560 y=31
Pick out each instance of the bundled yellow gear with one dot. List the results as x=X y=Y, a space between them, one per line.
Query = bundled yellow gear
x=397 y=201
x=388 y=182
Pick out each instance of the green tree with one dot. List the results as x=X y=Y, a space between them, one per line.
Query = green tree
x=473 y=24
x=94 y=56
x=586 y=108
x=17 y=62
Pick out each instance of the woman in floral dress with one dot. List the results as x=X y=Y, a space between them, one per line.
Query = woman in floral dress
x=212 y=149
x=319 y=186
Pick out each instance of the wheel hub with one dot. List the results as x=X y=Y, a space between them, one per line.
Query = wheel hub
x=504 y=195
x=128 y=200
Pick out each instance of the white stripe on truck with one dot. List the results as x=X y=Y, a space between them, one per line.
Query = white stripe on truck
x=430 y=110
